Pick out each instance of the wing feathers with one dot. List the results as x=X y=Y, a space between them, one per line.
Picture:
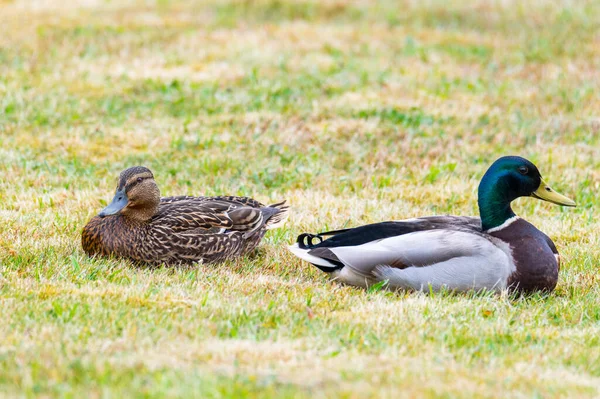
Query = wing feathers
x=377 y=231
x=213 y=228
x=457 y=258
x=229 y=213
x=414 y=249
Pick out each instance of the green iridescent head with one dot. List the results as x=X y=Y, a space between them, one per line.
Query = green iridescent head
x=507 y=179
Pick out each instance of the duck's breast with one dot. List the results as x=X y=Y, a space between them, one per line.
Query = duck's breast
x=106 y=236
x=534 y=255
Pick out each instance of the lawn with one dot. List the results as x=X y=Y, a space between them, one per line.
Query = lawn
x=354 y=111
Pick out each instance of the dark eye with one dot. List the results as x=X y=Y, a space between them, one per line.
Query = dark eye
x=139 y=179
x=523 y=170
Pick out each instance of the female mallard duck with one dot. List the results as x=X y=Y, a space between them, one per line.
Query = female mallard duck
x=142 y=226
x=494 y=252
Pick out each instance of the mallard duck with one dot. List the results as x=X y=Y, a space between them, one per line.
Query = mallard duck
x=499 y=250
x=140 y=225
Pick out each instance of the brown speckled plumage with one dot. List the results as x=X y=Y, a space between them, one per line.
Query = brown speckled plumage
x=183 y=229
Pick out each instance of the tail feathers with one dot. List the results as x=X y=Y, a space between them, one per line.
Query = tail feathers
x=323 y=264
x=277 y=219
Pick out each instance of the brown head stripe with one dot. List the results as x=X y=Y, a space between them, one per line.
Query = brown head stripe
x=130 y=174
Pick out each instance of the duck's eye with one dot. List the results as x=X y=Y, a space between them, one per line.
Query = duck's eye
x=523 y=170
x=139 y=179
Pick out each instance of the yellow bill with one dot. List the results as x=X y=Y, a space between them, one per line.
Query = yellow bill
x=546 y=193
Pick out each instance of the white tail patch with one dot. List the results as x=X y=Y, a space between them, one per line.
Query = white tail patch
x=304 y=255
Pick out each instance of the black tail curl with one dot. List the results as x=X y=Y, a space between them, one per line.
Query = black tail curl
x=305 y=240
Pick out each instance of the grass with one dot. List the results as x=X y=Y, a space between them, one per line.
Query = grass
x=355 y=112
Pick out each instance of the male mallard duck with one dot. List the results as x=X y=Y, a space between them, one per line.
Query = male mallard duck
x=494 y=252
x=142 y=226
